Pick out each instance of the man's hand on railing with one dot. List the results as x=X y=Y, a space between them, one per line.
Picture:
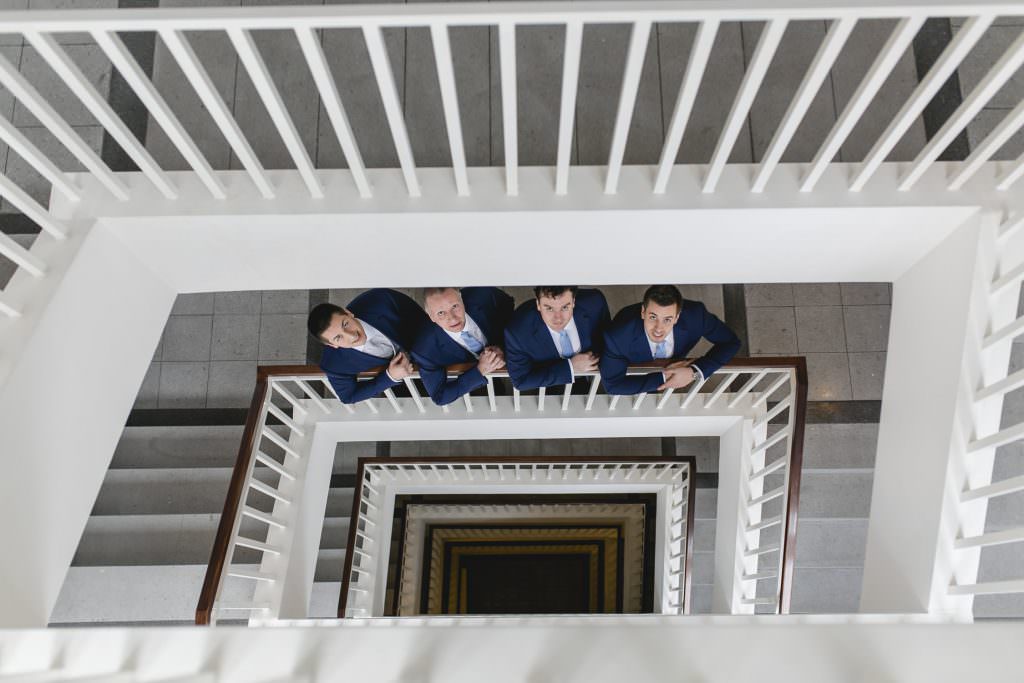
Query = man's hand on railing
x=400 y=367
x=584 y=362
x=492 y=358
x=678 y=375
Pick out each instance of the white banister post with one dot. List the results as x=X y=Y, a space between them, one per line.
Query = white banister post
x=734 y=448
x=312 y=486
x=942 y=308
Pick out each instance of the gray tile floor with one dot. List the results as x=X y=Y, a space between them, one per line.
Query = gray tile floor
x=842 y=330
x=212 y=343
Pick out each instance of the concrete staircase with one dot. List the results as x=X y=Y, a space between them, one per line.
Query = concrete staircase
x=154 y=523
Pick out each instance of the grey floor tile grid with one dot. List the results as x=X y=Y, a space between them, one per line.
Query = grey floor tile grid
x=842 y=330
x=213 y=342
x=475 y=55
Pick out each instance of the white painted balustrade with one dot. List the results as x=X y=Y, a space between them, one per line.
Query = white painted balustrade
x=242 y=26
x=280 y=483
x=996 y=433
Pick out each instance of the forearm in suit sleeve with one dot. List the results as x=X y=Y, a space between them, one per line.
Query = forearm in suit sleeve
x=725 y=341
x=616 y=381
x=443 y=390
x=351 y=390
x=529 y=374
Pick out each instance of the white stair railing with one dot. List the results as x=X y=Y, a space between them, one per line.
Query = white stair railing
x=155 y=186
x=377 y=480
x=993 y=428
x=260 y=514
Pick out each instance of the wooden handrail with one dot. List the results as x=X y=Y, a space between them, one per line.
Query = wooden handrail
x=690 y=460
x=796 y=460
x=691 y=503
x=246 y=452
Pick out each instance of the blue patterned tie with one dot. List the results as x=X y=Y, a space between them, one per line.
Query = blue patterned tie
x=659 y=350
x=471 y=342
x=565 y=345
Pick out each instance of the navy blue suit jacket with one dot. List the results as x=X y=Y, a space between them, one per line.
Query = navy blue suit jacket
x=434 y=350
x=626 y=343
x=530 y=352
x=398 y=317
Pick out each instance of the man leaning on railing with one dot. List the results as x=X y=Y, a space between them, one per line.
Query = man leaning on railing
x=663 y=326
x=468 y=326
x=378 y=327
x=555 y=336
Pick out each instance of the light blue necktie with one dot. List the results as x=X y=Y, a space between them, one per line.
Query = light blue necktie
x=659 y=350
x=471 y=342
x=565 y=345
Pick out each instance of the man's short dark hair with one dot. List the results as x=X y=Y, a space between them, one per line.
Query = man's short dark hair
x=664 y=295
x=554 y=291
x=320 y=319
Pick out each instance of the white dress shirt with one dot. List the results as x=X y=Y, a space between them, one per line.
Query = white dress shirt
x=670 y=345
x=474 y=331
x=377 y=343
x=574 y=341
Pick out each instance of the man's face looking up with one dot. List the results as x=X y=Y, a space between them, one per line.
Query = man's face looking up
x=658 y=320
x=344 y=332
x=556 y=312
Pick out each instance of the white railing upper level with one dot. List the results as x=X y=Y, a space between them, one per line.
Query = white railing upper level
x=241 y=25
x=258 y=524
x=985 y=466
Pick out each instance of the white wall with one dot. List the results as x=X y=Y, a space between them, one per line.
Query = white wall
x=540 y=650
x=293 y=242
x=62 y=409
x=940 y=313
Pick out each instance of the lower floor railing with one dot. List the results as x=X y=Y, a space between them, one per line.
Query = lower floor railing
x=757 y=405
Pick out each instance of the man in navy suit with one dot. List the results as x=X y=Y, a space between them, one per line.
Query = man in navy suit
x=664 y=325
x=556 y=336
x=376 y=329
x=468 y=327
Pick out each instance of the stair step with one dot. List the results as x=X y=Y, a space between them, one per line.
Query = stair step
x=330 y=565
x=138 y=594
x=177 y=447
x=323 y=601
x=127 y=540
x=339 y=502
x=170 y=491
x=335 y=533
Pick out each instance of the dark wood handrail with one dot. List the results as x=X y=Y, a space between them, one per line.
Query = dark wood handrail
x=246 y=451
x=691 y=460
x=691 y=503
x=796 y=461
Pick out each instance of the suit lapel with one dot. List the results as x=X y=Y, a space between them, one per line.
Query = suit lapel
x=543 y=337
x=583 y=328
x=640 y=348
x=448 y=347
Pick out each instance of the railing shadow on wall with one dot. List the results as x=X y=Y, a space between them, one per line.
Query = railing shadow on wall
x=777 y=387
